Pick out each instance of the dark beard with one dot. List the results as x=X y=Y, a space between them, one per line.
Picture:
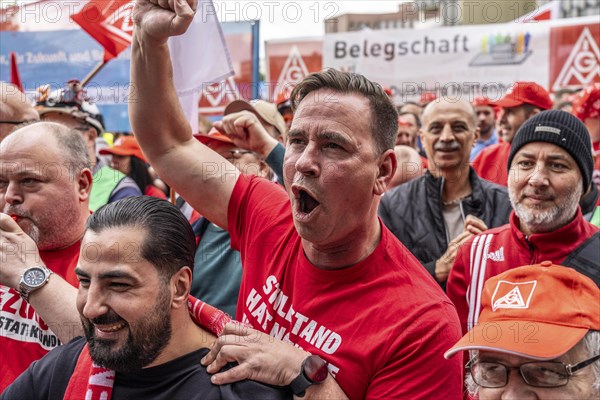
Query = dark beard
x=144 y=343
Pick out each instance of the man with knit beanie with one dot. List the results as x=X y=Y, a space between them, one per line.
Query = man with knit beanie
x=550 y=167
x=521 y=102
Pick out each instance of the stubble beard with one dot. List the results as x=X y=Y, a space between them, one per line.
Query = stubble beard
x=540 y=220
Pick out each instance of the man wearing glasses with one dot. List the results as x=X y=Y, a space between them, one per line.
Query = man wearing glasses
x=538 y=336
x=15 y=109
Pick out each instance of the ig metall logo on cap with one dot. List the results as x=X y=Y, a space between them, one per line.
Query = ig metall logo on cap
x=511 y=295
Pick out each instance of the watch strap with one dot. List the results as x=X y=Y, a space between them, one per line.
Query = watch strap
x=308 y=376
x=300 y=384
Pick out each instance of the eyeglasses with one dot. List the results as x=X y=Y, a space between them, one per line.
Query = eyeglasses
x=18 y=122
x=234 y=154
x=538 y=374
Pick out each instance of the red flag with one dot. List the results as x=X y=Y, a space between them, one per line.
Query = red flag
x=15 y=78
x=110 y=22
x=548 y=11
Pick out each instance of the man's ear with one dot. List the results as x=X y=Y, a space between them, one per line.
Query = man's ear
x=387 y=168
x=92 y=134
x=181 y=282
x=477 y=134
x=265 y=171
x=422 y=136
x=84 y=184
x=534 y=112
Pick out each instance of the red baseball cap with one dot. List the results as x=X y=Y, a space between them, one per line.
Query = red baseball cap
x=586 y=103
x=526 y=93
x=427 y=97
x=125 y=146
x=213 y=136
x=538 y=311
x=484 y=101
x=404 y=122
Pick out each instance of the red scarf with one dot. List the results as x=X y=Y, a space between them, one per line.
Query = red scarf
x=93 y=382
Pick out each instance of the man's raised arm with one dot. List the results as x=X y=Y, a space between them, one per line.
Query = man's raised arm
x=198 y=174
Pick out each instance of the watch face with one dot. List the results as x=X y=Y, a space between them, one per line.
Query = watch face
x=34 y=277
x=315 y=369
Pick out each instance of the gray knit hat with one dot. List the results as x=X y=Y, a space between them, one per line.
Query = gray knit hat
x=563 y=130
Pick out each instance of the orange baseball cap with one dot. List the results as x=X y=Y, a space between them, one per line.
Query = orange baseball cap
x=526 y=93
x=125 y=146
x=538 y=311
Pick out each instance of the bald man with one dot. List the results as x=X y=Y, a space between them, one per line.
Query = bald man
x=410 y=165
x=45 y=183
x=15 y=109
x=433 y=215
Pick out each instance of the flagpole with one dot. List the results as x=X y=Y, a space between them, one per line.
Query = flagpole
x=93 y=73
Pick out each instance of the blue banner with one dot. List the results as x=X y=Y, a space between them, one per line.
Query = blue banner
x=55 y=57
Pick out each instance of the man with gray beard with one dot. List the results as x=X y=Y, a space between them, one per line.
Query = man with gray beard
x=550 y=166
x=45 y=183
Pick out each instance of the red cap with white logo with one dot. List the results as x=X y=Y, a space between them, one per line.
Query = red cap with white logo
x=538 y=311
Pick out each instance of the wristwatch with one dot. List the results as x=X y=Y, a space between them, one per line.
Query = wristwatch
x=313 y=371
x=32 y=279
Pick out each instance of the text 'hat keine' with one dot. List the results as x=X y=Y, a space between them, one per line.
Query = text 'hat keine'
x=538 y=311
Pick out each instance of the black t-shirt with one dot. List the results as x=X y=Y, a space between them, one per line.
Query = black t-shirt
x=183 y=378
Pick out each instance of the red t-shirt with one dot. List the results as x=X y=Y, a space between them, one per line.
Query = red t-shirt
x=382 y=324
x=24 y=336
x=491 y=163
x=153 y=191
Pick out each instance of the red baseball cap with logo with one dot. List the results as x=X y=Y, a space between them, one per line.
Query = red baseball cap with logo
x=526 y=93
x=538 y=311
x=125 y=146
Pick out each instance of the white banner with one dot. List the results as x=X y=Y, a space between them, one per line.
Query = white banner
x=466 y=60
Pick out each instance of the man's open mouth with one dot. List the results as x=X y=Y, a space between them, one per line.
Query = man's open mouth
x=306 y=202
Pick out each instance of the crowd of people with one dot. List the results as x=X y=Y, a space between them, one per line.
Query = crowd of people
x=330 y=245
